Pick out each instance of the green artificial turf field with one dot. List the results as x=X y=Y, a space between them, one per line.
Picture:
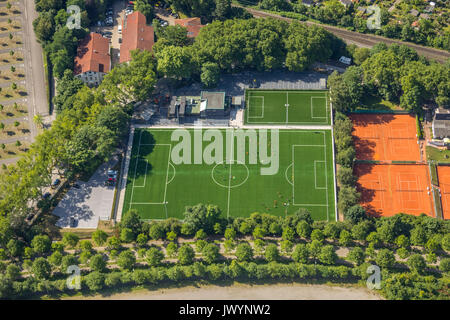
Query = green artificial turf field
x=159 y=188
x=302 y=107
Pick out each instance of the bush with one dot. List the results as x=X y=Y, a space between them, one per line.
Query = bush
x=244 y=252
x=300 y=253
x=41 y=269
x=97 y=263
x=210 y=253
x=357 y=256
x=317 y=235
x=126 y=260
x=444 y=265
x=272 y=253
x=385 y=258
x=186 y=255
x=95 y=281
x=328 y=255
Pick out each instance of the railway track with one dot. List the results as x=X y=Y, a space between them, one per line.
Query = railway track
x=360 y=39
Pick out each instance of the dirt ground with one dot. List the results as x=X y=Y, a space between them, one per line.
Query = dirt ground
x=246 y=292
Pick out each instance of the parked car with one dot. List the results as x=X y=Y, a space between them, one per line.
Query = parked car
x=76 y=186
x=46 y=195
x=55 y=183
x=30 y=216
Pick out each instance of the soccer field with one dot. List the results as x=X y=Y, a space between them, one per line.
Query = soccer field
x=302 y=107
x=158 y=186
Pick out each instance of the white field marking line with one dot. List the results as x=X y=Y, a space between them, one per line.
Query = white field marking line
x=417 y=182
x=145 y=176
x=312 y=108
x=229 y=174
x=167 y=174
x=326 y=175
x=135 y=169
x=293 y=177
x=287 y=107
x=262 y=108
x=297 y=122
x=315 y=175
x=174 y=173
x=286 y=174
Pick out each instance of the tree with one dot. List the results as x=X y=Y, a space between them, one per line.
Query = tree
x=67 y=261
x=272 y=254
x=230 y=234
x=402 y=241
x=95 y=281
x=156 y=231
x=223 y=9
x=145 y=7
x=116 y=120
x=12 y=272
x=417 y=263
x=127 y=235
x=41 y=269
x=56 y=258
x=314 y=248
x=385 y=258
x=142 y=239
x=345 y=238
x=244 y=252
x=348 y=196
x=126 y=260
x=446 y=242
x=99 y=237
x=444 y=265
x=41 y=244
x=132 y=221
x=288 y=234
x=210 y=253
x=317 y=234
x=200 y=234
x=70 y=239
x=355 y=213
x=15 y=248
x=418 y=236
x=303 y=229
x=172 y=249
x=300 y=253
x=357 y=256
x=332 y=230
x=345 y=176
x=97 y=263
x=328 y=255
x=361 y=230
x=154 y=257
x=174 y=62
x=202 y=217
x=186 y=255
x=210 y=74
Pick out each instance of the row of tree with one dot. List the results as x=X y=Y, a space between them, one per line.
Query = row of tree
x=237 y=45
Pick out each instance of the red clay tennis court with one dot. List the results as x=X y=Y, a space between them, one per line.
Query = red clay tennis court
x=444 y=185
x=391 y=137
x=390 y=189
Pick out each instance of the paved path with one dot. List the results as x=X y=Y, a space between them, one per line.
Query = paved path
x=34 y=66
x=360 y=39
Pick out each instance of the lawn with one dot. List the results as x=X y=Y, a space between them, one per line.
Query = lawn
x=302 y=107
x=159 y=186
x=438 y=155
x=376 y=103
x=10 y=111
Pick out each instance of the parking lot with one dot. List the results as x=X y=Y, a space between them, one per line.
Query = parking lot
x=91 y=201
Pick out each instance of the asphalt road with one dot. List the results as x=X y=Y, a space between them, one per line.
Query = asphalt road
x=360 y=39
x=34 y=66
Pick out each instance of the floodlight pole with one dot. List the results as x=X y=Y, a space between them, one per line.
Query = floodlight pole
x=165 y=207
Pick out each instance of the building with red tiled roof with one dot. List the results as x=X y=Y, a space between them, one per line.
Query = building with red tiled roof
x=193 y=26
x=135 y=35
x=93 y=60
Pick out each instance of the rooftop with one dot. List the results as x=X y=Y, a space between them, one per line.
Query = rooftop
x=135 y=35
x=93 y=55
x=193 y=26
